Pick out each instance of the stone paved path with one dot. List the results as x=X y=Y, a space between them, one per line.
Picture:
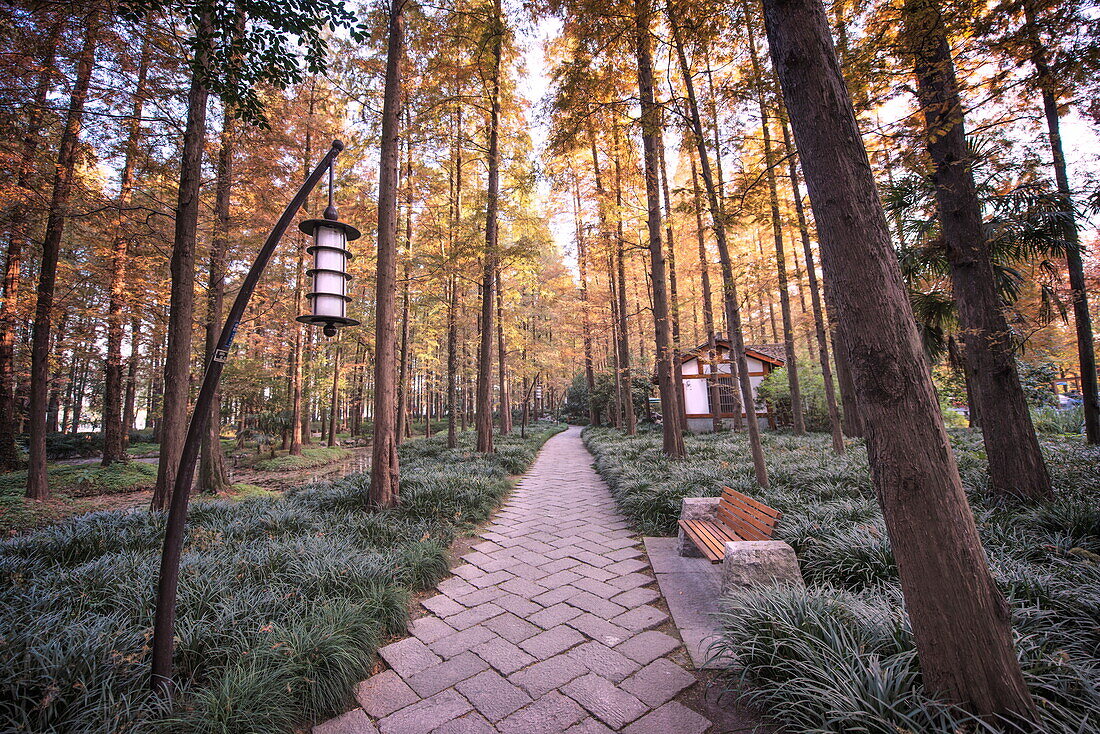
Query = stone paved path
x=548 y=627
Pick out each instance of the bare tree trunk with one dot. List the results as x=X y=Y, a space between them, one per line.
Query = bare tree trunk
x=64 y=174
x=502 y=366
x=334 y=408
x=815 y=291
x=666 y=382
x=384 y=469
x=617 y=413
x=625 y=382
x=129 y=403
x=729 y=285
x=452 y=287
x=177 y=362
x=113 y=448
x=586 y=325
x=777 y=234
x=298 y=426
x=1086 y=352
x=673 y=290
x=960 y=620
x=213 y=474
x=485 y=347
x=1016 y=466
x=19 y=240
x=713 y=389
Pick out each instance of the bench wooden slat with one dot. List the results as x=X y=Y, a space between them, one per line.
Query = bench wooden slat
x=739 y=517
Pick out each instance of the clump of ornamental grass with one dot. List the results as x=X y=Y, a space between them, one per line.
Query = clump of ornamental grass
x=283 y=600
x=839 y=656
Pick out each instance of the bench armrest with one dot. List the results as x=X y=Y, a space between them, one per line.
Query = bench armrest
x=695 y=508
x=759 y=562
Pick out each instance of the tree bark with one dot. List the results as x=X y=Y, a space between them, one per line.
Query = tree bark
x=624 y=383
x=489 y=264
x=673 y=290
x=130 y=400
x=777 y=235
x=738 y=360
x=502 y=365
x=18 y=241
x=713 y=389
x=335 y=404
x=1086 y=352
x=586 y=325
x=1016 y=466
x=385 y=470
x=298 y=427
x=64 y=174
x=960 y=620
x=673 y=443
x=835 y=427
x=213 y=474
x=452 y=290
x=177 y=361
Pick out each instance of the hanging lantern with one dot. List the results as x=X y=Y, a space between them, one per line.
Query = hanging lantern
x=329 y=298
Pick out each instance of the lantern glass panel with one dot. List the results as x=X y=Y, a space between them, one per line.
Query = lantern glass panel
x=324 y=305
x=325 y=282
x=330 y=237
x=330 y=260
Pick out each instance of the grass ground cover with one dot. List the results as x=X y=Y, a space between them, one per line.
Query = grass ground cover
x=311 y=458
x=282 y=601
x=839 y=656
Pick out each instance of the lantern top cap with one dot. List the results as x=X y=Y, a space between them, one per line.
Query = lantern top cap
x=310 y=226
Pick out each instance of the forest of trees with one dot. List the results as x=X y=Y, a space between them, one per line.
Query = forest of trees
x=898 y=195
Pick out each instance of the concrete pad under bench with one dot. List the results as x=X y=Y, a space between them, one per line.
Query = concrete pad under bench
x=691 y=587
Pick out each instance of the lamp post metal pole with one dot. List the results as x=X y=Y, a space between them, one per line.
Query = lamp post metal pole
x=164 y=623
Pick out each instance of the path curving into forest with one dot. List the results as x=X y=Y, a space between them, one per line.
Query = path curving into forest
x=550 y=625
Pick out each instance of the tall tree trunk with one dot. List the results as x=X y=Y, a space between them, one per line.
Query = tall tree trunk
x=452 y=286
x=502 y=365
x=738 y=360
x=1016 y=466
x=64 y=174
x=625 y=382
x=1086 y=353
x=335 y=404
x=586 y=319
x=617 y=414
x=177 y=361
x=777 y=234
x=130 y=400
x=18 y=240
x=384 y=469
x=714 y=396
x=299 y=428
x=673 y=290
x=213 y=474
x=960 y=620
x=113 y=447
x=673 y=443
x=815 y=291
x=404 y=429
x=489 y=264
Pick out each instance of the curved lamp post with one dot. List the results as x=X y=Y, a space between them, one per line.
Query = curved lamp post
x=329 y=302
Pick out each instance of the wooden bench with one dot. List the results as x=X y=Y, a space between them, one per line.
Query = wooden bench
x=739 y=517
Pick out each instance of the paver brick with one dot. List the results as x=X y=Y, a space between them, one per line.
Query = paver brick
x=474 y=615
x=636 y=597
x=427 y=715
x=551 y=713
x=541 y=678
x=601 y=659
x=640 y=618
x=428 y=629
x=353 y=722
x=517 y=605
x=503 y=655
x=493 y=696
x=439 y=677
x=472 y=723
x=672 y=717
x=382 y=694
x=613 y=706
x=442 y=605
x=551 y=642
x=408 y=656
x=600 y=629
x=589 y=726
x=459 y=642
x=554 y=615
x=658 y=682
x=599 y=588
x=591 y=603
x=648 y=646
x=512 y=628
x=454 y=586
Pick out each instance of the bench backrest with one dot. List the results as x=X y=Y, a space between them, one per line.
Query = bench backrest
x=748 y=518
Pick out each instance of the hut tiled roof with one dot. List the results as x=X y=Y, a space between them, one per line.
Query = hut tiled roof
x=774 y=353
